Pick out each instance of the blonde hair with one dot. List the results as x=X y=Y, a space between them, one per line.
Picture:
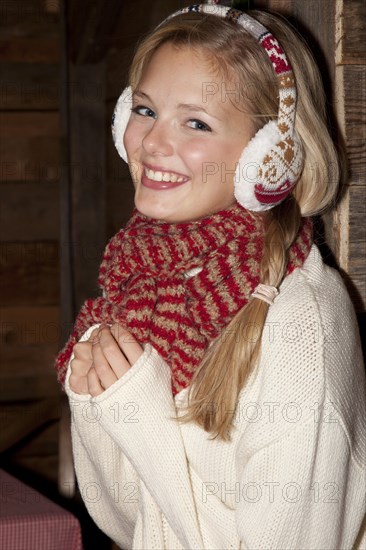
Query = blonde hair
x=231 y=50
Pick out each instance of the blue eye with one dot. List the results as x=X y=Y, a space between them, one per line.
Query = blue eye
x=199 y=125
x=143 y=111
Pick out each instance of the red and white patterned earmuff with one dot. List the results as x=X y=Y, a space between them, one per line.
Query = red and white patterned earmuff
x=271 y=163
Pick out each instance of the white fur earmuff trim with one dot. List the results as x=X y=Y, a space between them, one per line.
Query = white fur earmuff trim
x=120 y=120
x=246 y=175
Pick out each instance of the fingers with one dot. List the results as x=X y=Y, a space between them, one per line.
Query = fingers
x=127 y=342
x=94 y=384
x=107 y=353
x=102 y=362
x=77 y=383
x=103 y=359
x=80 y=366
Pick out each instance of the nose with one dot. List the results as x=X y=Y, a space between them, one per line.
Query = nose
x=158 y=139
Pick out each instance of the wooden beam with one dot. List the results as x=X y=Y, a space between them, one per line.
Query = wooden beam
x=350 y=32
x=87 y=150
x=91 y=25
x=351 y=111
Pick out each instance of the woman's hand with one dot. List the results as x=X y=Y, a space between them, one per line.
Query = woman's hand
x=81 y=364
x=114 y=350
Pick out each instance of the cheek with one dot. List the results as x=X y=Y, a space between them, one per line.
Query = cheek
x=199 y=153
x=132 y=138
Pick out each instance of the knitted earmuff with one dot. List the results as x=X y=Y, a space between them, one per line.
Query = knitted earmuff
x=271 y=163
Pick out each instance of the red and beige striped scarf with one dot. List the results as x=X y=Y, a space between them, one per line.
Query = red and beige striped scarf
x=146 y=287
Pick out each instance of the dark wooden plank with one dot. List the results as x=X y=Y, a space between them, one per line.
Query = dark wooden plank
x=65 y=278
x=38 y=467
x=20 y=420
x=120 y=202
x=18 y=388
x=29 y=50
x=351 y=83
x=356 y=286
x=87 y=150
x=357 y=217
x=351 y=32
x=30 y=159
x=357 y=245
x=26 y=86
x=91 y=25
x=27 y=326
x=281 y=6
x=316 y=22
x=29 y=273
x=351 y=242
x=44 y=443
x=117 y=65
x=29 y=342
x=29 y=211
x=23 y=18
x=27 y=125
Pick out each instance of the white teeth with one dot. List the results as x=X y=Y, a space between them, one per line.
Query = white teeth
x=162 y=176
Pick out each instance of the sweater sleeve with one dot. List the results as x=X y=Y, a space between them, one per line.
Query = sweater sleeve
x=108 y=483
x=151 y=439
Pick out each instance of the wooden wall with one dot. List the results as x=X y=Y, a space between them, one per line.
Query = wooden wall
x=29 y=234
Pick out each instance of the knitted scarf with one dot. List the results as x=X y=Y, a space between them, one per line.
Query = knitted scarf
x=146 y=287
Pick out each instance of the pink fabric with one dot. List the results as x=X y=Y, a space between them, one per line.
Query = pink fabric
x=30 y=521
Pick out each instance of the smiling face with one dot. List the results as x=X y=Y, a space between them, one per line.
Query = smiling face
x=184 y=137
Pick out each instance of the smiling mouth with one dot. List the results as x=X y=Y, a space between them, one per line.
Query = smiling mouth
x=159 y=180
x=160 y=176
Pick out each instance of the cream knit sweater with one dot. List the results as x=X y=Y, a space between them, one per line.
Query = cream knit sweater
x=293 y=476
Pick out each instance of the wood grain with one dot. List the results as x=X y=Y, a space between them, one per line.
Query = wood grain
x=92 y=25
x=351 y=242
x=20 y=420
x=351 y=32
x=351 y=110
x=281 y=6
x=26 y=326
x=29 y=273
x=29 y=50
x=29 y=341
x=29 y=211
x=87 y=209
x=26 y=19
x=26 y=86
x=29 y=124
x=30 y=159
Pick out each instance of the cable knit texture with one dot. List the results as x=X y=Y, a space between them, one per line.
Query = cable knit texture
x=145 y=287
x=293 y=475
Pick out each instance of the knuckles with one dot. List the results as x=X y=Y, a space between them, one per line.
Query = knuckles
x=82 y=350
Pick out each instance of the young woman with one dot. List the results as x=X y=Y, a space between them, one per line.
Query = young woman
x=217 y=387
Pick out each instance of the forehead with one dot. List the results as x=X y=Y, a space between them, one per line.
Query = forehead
x=188 y=74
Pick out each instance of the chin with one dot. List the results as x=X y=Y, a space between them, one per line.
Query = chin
x=148 y=209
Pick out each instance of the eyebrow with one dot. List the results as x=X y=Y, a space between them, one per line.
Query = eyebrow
x=186 y=106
